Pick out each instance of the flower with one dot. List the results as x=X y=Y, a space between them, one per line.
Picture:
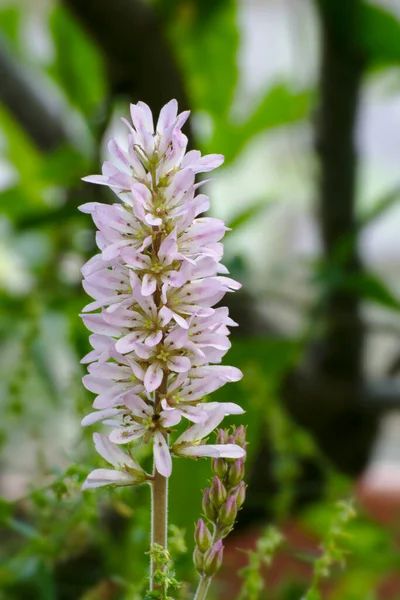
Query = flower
x=188 y=444
x=156 y=338
x=127 y=471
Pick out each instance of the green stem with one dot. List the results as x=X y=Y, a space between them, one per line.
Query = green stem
x=202 y=588
x=159 y=520
x=205 y=580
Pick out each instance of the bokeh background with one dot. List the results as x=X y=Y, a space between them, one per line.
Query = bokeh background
x=303 y=98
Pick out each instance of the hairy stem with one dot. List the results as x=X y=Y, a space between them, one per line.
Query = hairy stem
x=159 y=520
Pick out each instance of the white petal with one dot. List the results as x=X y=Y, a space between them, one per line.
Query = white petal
x=113 y=454
x=229 y=408
x=124 y=435
x=100 y=477
x=151 y=220
x=162 y=456
x=214 y=450
x=100 y=415
x=136 y=404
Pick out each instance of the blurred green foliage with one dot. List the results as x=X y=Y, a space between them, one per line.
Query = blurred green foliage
x=60 y=544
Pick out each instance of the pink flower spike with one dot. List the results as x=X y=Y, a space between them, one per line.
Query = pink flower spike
x=157 y=339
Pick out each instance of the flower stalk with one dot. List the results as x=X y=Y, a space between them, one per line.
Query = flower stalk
x=221 y=502
x=159 y=520
x=157 y=339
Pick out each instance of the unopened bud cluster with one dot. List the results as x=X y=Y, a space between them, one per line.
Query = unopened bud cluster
x=221 y=502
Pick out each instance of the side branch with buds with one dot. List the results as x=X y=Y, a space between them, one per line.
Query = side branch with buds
x=157 y=340
x=221 y=503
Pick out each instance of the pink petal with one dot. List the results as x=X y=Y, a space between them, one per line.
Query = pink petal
x=97 y=324
x=165 y=315
x=170 y=418
x=138 y=116
x=153 y=378
x=149 y=285
x=167 y=116
x=182 y=118
x=99 y=179
x=142 y=351
x=148 y=122
x=208 y=163
x=136 y=404
x=153 y=339
x=179 y=364
x=117 y=152
x=127 y=343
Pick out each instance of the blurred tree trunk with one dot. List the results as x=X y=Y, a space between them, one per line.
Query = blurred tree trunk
x=325 y=393
x=340 y=80
x=140 y=61
x=29 y=106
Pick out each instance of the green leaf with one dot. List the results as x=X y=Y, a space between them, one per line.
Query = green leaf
x=23 y=528
x=312 y=595
x=6 y=510
x=10 y=19
x=379 y=35
x=206 y=49
x=381 y=205
x=65 y=167
x=77 y=67
x=371 y=288
x=255 y=210
x=19 y=149
x=279 y=106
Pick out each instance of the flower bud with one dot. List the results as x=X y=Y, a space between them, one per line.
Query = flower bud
x=236 y=472
x=222 y=436
x=213 y=559
x=239 y=436
x=217 y=493
x=220 y=467
x=202 y=536
x=227 y=512
x=198 y=560
x=240 y=494
x=208 y=507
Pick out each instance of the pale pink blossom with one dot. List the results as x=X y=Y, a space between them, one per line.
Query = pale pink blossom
x=126 y=470
x=156 y=337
